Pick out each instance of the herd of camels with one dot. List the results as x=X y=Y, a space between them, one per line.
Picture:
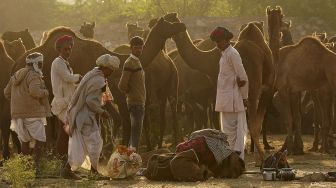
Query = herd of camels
x=185 y=78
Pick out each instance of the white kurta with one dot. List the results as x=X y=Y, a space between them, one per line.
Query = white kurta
x=229 y=99
x=63 y=86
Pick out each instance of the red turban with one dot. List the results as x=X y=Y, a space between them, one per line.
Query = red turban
x=221 y=33
x=63 y=40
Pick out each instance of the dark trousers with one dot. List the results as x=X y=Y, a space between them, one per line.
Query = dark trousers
x=62 y=141
x=137 y=114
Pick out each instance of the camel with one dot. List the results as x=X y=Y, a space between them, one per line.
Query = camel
x=307 y=65
x=321 y=36
x=87 y=30
x=196 y=91
x=161 y=84
x=260 y=25
x=332 y=39
x=6 y=63
x=286 y=35
x=257 y=60
x=26 y=37
x=15 y=48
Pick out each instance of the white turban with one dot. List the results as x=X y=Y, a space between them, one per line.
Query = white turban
x=33 y=59
x=106 y=60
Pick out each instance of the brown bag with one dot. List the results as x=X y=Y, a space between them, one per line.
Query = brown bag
x=158 y=167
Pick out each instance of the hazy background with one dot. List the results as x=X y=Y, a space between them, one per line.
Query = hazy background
x=200 y=16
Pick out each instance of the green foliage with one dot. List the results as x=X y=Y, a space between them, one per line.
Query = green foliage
x=19 y=170
x=50 y=165
x=18 y=14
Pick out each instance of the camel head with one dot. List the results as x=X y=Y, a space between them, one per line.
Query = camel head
x=27 y=39
x=321 y=36
x=172 y=18
x=274 y=21
x=15 y=48
x=332 y=39
x=25 y=35
x=134 y=30
x=87 y=29
x=285 y=25
x=152 y=22
x=167 y=29
x=331 y=46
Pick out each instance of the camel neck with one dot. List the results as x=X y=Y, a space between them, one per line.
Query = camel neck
x=153 y=45
x=204 y=61
x=287 y=38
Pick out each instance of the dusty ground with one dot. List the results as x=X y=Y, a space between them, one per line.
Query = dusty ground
x=310 y=162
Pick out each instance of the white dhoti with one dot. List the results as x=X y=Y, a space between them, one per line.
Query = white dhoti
x=85 y=147
x=234 y=125
x=29 y=129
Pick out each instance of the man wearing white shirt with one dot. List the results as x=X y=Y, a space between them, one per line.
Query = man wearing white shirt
x=63 y=83
x=232 y=91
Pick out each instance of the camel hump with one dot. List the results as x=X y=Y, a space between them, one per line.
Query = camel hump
x=251 y=32
x=310 y=42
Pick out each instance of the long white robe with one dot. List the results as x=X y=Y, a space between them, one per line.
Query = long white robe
x=229 y=99
x=85 y=140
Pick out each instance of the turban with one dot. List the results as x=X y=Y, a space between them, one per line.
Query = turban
x=63 y=41
x=106 y=60
x=33 y=59
x=221 y=33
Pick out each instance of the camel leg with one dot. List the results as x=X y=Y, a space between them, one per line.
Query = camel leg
x=317 y=121
x=264 y=132
x=16 y=141
x=326 y=103
x=296 y=110
x=173 y=107
x=5 y=142
x=163 y=103
x=147 y=124
x=214 y=116
x=255 y=129
x=5 y=133
x=287 y=116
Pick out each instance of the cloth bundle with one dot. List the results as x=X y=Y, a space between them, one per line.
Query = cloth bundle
x=123 y=163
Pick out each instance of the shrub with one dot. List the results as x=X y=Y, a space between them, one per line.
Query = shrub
x=19 y=170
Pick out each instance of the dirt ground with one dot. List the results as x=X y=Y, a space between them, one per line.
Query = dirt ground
x=308 y=163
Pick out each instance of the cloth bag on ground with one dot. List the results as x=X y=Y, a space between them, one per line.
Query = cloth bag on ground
x=123 y=163
x=158 y=167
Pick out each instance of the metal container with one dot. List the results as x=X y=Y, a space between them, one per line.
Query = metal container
x=269 y=174
x=286 y=174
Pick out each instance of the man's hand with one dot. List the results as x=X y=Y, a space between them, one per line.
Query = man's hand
x=245 y=102
x=240 y=83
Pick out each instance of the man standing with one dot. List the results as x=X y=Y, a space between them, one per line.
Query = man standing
x=232 y=91
x=29 y=105
x=63 y=83
x=85 y=138
x=132 y=83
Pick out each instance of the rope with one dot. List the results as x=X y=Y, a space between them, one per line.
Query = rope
x=108 y=122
